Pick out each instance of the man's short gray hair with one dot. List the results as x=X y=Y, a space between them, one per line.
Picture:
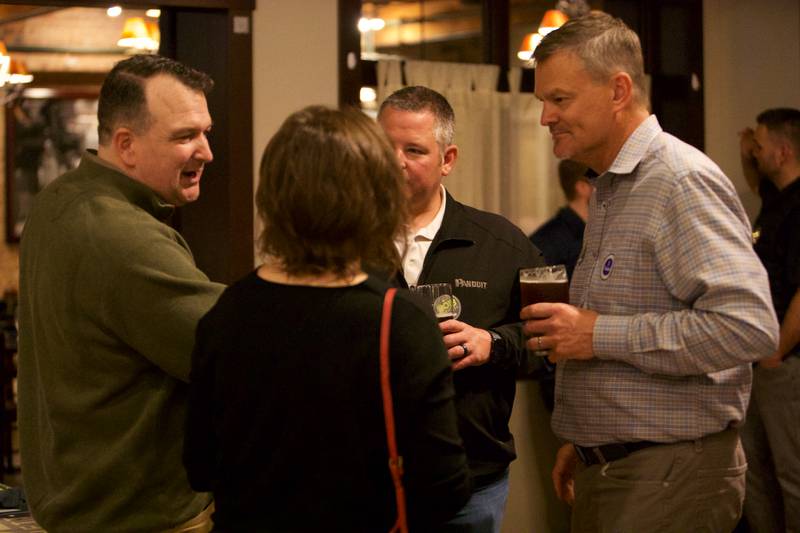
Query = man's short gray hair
x=419 y=99
x=604 y=44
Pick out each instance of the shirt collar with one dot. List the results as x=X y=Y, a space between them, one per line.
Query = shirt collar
x=429 y=232
x=635 y=147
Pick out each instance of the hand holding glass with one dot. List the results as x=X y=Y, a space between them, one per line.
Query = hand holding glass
x=543 y=284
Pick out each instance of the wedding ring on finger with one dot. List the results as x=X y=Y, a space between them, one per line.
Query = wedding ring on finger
x=464 y=347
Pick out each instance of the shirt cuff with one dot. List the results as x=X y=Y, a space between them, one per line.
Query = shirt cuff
x=610 y=336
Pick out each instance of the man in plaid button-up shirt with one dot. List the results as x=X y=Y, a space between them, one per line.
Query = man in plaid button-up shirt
x=670 y=305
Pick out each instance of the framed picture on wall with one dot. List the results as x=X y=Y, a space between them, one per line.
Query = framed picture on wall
x=47 y=131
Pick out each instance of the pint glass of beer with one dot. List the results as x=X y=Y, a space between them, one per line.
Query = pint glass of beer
x=543 y=284
x=440 y=295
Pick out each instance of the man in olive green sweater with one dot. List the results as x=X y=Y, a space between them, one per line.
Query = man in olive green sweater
x=110 y=297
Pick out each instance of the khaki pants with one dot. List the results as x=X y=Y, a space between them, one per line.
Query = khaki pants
x=199 y=524
x=693 y=486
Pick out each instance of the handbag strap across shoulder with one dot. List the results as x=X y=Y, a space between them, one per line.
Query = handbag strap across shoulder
x=395 y=460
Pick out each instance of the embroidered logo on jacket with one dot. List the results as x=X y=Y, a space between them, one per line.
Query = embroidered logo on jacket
x=470 y=283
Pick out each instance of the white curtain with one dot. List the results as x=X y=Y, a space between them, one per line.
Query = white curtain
x=505 y=162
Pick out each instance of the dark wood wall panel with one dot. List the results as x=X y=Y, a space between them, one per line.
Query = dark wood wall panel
x=219 y=226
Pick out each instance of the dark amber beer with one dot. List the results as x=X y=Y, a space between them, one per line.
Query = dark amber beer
x=536 y=291
x=544 y=284
x=548 y=284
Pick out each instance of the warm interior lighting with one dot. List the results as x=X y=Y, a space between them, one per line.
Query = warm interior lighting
x=12 y=72
x=40 y=92
x=154 y=33
x=370 y=24
x=552 y=20
x=367 y=95
x=139 y=34
x=18 y=73
x=153 y=13
x=529 y=44
x=114 y=11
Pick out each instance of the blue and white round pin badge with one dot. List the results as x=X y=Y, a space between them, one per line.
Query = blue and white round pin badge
x=608 y=266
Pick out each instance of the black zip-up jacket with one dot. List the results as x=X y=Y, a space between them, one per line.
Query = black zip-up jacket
x=480 y=254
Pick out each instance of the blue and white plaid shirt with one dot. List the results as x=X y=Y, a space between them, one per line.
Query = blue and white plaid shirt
x=684 y=302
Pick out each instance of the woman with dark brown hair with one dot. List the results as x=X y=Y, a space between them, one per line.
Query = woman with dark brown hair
x=285 y=421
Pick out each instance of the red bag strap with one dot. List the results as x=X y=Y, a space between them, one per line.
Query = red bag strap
x=395 y=460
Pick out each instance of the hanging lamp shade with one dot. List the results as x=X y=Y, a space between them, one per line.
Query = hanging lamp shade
x=154 y=33
x=5 y=64
x=552 y=20
x=18 y=73
x=529 y=44
x=136 y=34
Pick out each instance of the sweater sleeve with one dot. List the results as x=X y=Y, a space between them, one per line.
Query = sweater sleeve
x=150 y=293
x=436 y=473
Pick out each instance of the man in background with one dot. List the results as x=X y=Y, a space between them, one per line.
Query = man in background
x=480 y=255
x=670 y=304
x=110 y=297
x=771 y=439
x=560 y=238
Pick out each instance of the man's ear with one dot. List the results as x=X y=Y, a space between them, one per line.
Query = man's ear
x=622 y=85
x=786 y=152
x=449 y=159
x=123 y=142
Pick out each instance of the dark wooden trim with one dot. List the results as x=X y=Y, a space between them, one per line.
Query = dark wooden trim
x=201 y=4
x=678 y=105
x=240 y=145
x=350 y=79
x=219 y=225
x=495 y=24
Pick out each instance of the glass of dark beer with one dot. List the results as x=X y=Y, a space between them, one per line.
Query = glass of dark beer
x=543 y=284
x=440 y=295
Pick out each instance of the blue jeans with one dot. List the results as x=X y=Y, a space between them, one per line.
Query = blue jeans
x=483 y=512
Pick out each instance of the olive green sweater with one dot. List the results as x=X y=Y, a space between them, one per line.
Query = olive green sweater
x=109 y=300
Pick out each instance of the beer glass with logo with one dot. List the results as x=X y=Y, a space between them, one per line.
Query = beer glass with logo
x=440 y=295
x=543 y=284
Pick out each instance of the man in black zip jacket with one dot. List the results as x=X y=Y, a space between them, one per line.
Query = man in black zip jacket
x=480 y=255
